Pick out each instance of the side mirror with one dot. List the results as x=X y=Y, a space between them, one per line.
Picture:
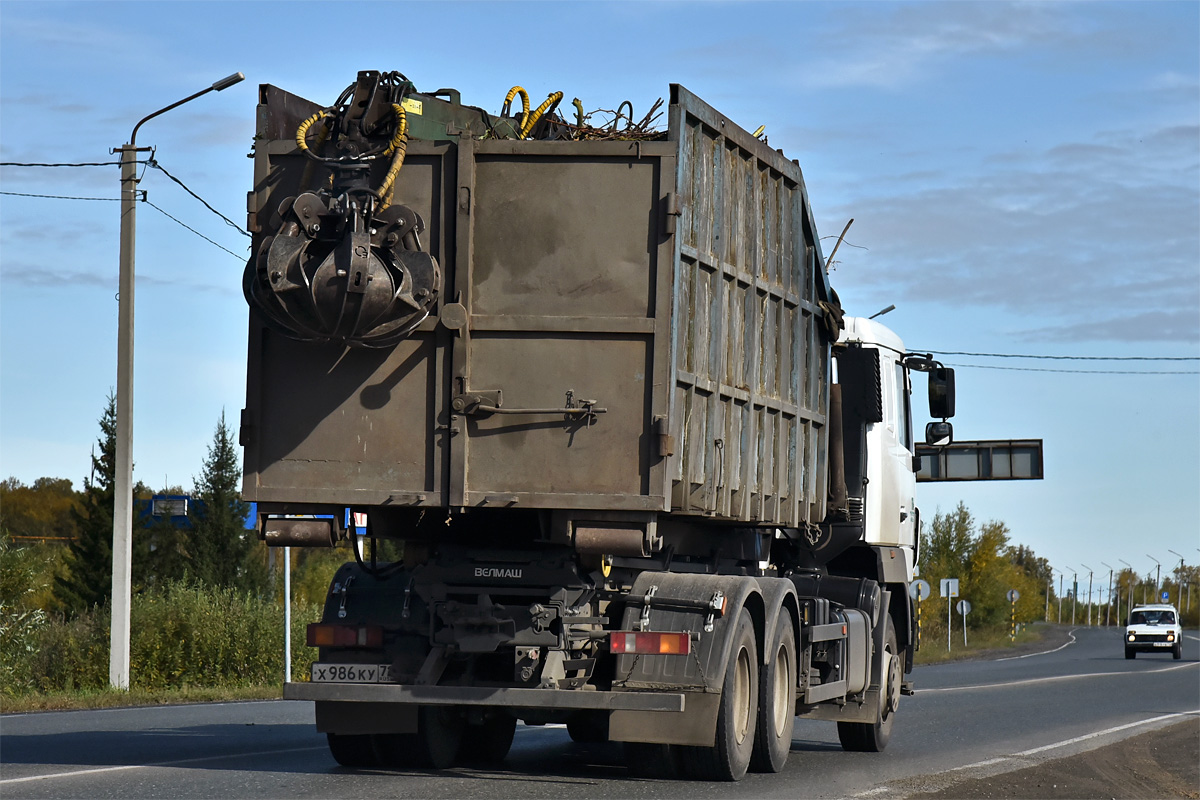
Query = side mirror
x=941 y=392
x=939 y=434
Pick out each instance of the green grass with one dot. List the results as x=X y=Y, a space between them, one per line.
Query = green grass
x=113 y=698
x=989 y=640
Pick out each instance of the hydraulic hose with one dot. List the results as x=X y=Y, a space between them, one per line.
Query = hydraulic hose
x=551 y=102
x=513 y=92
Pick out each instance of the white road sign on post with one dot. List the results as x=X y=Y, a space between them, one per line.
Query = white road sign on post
x=949 y=588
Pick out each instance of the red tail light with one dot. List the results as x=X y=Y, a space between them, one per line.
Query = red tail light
x=631 y=642
x=321 y=634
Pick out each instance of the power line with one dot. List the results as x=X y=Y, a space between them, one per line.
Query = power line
x=35 y=164
x=1062 y=358
x=228 y=221
x=193 y=230
x=1074 y=371
x=59 y=196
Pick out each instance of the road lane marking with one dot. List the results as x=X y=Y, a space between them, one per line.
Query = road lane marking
x=1070 y=633
x=1065 y=742
x=1055 y=678
x=97 y=770
x=1026 y=755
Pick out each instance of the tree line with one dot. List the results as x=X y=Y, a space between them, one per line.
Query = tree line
x=987 y=566
x=211 y=548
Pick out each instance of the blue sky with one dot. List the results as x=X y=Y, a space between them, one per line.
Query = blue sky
x=1024 y=178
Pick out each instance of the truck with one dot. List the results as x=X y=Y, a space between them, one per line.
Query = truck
x=605 y=446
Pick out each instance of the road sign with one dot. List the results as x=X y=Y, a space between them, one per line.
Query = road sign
x=919 y=590
x=963 y=607
x=949 y=587
x=1013 y=595
x=1166 y=596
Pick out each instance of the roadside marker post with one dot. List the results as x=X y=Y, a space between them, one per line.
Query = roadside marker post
x=1013 y=596
x=919 y=590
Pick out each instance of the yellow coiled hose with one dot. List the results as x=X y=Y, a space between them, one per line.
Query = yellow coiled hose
x=513 y=92
x=551 y=101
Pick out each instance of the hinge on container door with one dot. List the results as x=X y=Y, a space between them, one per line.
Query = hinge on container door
x=666 y=442
x=670 y=212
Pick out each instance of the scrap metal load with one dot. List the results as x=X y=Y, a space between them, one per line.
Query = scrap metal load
x=521 y=311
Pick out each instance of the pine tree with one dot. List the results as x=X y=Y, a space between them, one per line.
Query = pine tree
x=88 y=580
x=221 y=552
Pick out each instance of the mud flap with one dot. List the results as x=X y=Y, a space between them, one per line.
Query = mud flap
x=661 y=601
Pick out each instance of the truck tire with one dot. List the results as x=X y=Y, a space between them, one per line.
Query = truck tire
x=872 y=737
x=729 y=758
x=436 y=743
x=488 y=743
x=646 y=760
x=588 y=727
x=776 y=700
x=352 y=750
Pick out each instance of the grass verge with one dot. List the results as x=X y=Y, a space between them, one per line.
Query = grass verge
x=112 y=698
x=982 y=643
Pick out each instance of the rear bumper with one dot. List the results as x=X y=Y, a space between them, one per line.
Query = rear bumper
x=564 y=699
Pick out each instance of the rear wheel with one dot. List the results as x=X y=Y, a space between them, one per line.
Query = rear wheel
x=728 y=759
x=872 y=737
x=436 y=743
x=351 y=750
x=488 y=743
x=776 y=701
x=588 y=726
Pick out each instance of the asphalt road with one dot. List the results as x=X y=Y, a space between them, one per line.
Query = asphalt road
x=967 y=720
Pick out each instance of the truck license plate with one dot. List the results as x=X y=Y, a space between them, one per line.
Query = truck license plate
x=352 y=673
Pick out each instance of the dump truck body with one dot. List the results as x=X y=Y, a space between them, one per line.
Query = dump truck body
x=585 y=377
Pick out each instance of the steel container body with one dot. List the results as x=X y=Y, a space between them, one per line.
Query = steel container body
x=623 y=326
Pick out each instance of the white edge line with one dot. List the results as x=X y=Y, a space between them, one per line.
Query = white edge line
x=1026 y=753
x=1070 y=633
x=1084 y=738
x=1055 y=678
x=226 y=756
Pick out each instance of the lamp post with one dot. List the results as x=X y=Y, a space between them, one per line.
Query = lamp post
x=1108 y=605
x=122 y=551
x=1129 y=605
x=1089 y=604
x=1179 y=580
x=1074 y=593
x=1157 y=577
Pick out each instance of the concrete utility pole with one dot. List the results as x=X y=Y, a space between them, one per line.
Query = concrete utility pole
x=1089 y=606
x=1130 y=605
x=1179 y=582
x=1074 y=594
x=122 y=551
x=1108 y=605
x=1157 y=578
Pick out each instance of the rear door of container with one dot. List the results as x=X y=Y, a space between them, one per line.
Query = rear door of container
x=563 y=275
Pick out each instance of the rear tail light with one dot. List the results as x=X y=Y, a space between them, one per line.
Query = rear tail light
x=633 y=642
x=324 y=635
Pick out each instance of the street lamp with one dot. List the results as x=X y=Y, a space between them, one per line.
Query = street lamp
x=118 y=661
x=1179 y=579
x=1089 y=569
x=1108 y=605
x=1130 y=604
x=1157 y=577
